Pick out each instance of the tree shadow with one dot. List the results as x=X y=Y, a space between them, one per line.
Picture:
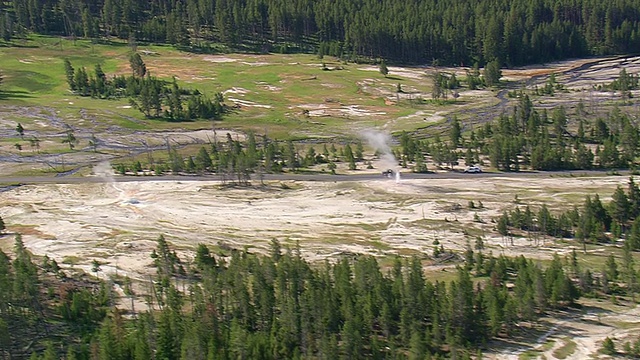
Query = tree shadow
x=391 y=77
x=14 y=94
x=539 y=332
x=14 y=44
x=108 y=42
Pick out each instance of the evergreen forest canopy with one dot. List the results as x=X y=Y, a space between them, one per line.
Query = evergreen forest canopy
x=514 y=32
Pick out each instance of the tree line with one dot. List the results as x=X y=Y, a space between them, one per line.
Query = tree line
x=594 y=222
x=522 y=138
x=419 y=31
x=235 y=159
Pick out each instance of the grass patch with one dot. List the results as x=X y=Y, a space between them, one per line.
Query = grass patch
x=530 y=355
x=548 y=345
x=30 y=230
x=378 y=245
x=565 y=350
x=537 y=353
x=71 y=260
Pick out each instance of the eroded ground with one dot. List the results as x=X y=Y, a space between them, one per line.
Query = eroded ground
x=118 y=222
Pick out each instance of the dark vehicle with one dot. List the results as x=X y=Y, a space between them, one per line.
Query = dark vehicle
x=388 y=173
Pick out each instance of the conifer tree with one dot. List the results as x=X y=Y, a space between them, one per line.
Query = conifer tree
x=70 y=73
x=492 y=73
x=138 y=66
x=383 y=68
x=20 y=130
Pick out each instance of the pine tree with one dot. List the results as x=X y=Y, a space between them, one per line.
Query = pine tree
x=167 y=337
x=70 y=139
x=5 y=335
x=20 y=130
x=175 y=102
x=71 y=354
x=81 y=81
x=100 y=81
x=608 y=347
x=455 y=133
x=49 y=352
x=291 y=156
x=417 y=348
x=630 y=274
x=383 y=68
x=492 y=73
x=203 y=160
x=140 y=340
x=110 y=345
x=633 y=238
x=620 y=206
x=633 y=194
x=138 y=66
x=348 y=154
x=502 y=226
x=69 y=71
x=611 y=268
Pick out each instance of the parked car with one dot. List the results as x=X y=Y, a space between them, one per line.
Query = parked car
x=472 y=170
x=388 y=173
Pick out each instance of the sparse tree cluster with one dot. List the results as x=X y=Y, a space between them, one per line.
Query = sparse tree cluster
x=151 y=96
x=594 y=222
x=442 y=84
x=535 y=139
x=236 y=160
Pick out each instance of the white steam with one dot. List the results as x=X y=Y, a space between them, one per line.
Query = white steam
x=381 y=142
x=103 y=170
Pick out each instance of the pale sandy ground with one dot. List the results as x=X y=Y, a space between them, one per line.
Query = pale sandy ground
x=587 y=330
x=118 y=223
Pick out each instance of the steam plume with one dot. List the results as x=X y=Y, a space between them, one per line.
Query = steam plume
x=380 y=141
x=104 y=171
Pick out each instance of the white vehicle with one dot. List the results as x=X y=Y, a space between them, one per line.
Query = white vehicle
x=473 y=170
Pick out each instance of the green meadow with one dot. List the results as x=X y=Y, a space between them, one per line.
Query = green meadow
x=270 y=92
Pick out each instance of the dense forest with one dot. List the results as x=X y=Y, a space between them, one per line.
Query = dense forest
x=513 y=32
x=247 y=306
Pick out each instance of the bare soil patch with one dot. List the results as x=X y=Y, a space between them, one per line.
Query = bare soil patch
x=219 y=59
x=119 y=221
x=586 y=327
